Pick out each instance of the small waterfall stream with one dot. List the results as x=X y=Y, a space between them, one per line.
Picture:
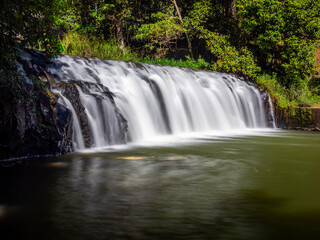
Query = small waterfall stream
x=77 y=137
x=126 y=101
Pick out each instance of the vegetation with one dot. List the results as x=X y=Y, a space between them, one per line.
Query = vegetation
x=82 y=45
x=161 y=34
x=92 y=46
x=28 y=23
x=271 y=42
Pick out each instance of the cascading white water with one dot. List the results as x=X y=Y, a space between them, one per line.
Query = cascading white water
x=159 y=100
x=272 y=112
x=76 y=129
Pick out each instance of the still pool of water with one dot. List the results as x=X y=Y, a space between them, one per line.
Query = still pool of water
x=261 y=186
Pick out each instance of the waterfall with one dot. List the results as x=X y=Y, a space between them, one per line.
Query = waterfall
x=76 y=129
x=125 y=101
x=271 y=111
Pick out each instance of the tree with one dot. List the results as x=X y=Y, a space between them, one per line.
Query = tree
x=28 y=23
x=181 y=21
x=107 y=18
x=283 y=35
x=162 y=34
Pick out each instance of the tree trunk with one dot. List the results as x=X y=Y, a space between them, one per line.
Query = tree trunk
x=96 y=10
x=230 y=8
x=120 y=37
x=181 y=21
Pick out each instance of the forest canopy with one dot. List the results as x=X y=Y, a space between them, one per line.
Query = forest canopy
x=272 y=42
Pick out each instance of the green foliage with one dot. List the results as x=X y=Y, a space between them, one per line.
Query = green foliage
x=161 y=34
x=298 y=61
x=82 y=45
x=283 y=97
x=200 y=63
x=196 y=21
x=278 y=93
x=302 y=116
x=282 y=35
x=100 y=17
x=68 y=20
x=229 y=58
x=269 y=41
x=26 y=23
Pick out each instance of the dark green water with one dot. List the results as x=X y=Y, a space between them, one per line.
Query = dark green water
x=254 y=187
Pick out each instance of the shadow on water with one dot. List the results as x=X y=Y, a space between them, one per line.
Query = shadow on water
x=267 y=209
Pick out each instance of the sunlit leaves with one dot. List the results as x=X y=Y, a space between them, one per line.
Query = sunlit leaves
x=283 y=35
x=229 y=59
x=161 y=34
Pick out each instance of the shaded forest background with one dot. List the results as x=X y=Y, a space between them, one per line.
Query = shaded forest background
x=273 y=43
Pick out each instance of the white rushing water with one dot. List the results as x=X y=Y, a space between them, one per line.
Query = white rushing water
x=76 y=129
x=272 y=112
x=159 y=100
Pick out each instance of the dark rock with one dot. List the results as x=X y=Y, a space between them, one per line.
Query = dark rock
x=29 y=123
x=70 y=91
x=64 y=124
x=269 y=114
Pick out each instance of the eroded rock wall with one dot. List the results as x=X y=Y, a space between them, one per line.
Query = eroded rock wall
x=32 y=122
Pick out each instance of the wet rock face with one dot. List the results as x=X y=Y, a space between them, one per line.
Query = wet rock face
x=269 y=114
x=33 y=123
x=31 y=128
x=63 y=123
x=69 y=90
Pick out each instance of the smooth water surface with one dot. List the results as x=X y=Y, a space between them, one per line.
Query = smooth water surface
x=244 y=187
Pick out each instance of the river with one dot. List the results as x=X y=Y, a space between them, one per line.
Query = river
x=252 y=185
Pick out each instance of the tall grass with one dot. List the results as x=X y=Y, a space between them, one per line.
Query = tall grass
x=286 y=98
x=200 y=63
x=84 y=46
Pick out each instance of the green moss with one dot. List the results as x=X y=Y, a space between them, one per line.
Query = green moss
x=46 y=127
x=301 y=116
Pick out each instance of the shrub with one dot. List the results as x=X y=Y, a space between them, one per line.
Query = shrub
x=85 y=46
x=229 y=59
x=162 y=34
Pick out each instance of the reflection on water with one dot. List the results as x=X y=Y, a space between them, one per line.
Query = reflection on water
x=238 y=188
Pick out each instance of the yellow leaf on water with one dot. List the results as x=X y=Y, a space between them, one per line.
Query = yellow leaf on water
x=175 y=158
x=131 y=158
x=58 y=165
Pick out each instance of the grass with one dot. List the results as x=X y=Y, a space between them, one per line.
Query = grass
x=286 y=98
x=200 y=63
x=81 y=45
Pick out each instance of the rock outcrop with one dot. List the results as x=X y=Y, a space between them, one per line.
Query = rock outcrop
x=31 y=121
